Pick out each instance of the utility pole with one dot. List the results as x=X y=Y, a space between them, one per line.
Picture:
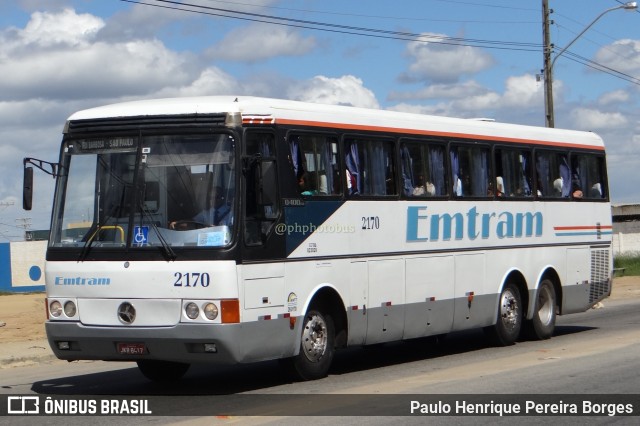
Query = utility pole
x=548 y=47
x=547 y=72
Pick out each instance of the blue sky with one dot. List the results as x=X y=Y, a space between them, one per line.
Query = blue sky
x=59 y=56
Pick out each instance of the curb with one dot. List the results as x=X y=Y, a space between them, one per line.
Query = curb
x=30 y=352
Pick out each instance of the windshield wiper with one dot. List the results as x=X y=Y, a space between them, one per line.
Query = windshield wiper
x=166 y=247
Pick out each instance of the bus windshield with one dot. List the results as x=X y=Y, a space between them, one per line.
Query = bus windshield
x=137 y=192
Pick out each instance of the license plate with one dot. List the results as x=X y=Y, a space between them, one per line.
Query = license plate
x=131 y=349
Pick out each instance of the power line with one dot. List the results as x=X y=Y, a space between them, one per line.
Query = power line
x=602 y=68
x=377 y=33
x=336 y=28
x=394 y=18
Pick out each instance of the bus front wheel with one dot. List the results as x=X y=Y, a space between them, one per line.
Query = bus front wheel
x=317 y=347
x=162 y=371
x=506 y=330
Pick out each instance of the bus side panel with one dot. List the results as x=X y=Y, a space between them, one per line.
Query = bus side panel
x=356 y=310
x=429 y=308
x=575 y=287
x=265 y=304
x=473 y=306
x=385 y=313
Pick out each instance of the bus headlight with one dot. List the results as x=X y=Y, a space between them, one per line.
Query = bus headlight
x=191 y=310
x=55 y=308
x=210 y=311
x=70 y=309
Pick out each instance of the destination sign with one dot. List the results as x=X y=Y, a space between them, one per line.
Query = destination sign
x=107 y=144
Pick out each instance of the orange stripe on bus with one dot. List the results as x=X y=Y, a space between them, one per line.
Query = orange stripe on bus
x=346 y=126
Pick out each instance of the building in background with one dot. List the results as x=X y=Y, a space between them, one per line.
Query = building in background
x=626 y=229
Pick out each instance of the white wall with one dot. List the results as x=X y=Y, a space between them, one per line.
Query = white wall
x=626 y=243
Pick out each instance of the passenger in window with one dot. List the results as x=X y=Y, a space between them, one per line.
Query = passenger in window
x=499 y=186
x=577 y=193
x=423 y=189
x=419 y=189
x=323 y=188
x=596 y=191
x=576 y=188
x=557 y=187
x=457 y=188
x=303 y=182
x=430 y=189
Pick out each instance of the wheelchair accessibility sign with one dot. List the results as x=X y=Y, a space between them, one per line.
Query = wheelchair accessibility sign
x=141 y=235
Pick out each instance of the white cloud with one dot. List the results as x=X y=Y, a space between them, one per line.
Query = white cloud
x=470 y=98
x=63 y=28
x=440 y=63
x=591 y=119
x=212 y=81
x=260 y=42
x=485 y=103
x=346 y=90
x=622 y=55
x=441 y=91
x=615 y=97
x=522 y=91
x=56 y=56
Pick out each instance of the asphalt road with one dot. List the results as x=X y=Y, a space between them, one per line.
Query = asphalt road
x=595 y=352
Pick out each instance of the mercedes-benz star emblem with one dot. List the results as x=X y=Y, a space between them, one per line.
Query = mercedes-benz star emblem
x=126 y=313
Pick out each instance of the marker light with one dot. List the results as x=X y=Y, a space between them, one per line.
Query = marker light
x=230 y=310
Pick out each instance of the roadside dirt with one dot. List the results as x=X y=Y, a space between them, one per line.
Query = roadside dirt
x=22 y=316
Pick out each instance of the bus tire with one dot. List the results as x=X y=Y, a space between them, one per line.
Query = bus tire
x=543 y=323
x=162 y=371
x=317 y=347
x=506 y=330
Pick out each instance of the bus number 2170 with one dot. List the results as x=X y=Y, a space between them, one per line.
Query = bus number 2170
x=191 y=279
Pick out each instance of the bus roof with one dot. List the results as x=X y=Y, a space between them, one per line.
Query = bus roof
x=257 y=110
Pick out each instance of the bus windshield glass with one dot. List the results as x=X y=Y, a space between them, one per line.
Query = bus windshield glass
x=160 y=190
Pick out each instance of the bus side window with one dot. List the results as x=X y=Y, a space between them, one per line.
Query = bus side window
x=587 y=176
x=471 y=171
x=423 y=170
x=513 y=172
x=314 y=162
x=370 y=167
x=554 y=175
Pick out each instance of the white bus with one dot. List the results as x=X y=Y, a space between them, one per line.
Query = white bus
x=234 y=230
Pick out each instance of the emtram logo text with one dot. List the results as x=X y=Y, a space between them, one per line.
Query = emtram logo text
x=422 y=226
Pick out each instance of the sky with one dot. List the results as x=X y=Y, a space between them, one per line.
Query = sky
x=477 y=58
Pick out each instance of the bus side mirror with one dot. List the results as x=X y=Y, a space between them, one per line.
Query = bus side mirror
x=27 y=188
x=268 y=183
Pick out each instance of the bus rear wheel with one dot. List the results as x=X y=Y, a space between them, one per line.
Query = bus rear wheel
x=506 y=330
x=317 y=347
x=162 y=371
x=543 y=323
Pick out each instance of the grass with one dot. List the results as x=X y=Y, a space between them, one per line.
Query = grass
x=630 y=263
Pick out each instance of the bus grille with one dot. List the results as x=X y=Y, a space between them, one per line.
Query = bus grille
x=600 y=275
